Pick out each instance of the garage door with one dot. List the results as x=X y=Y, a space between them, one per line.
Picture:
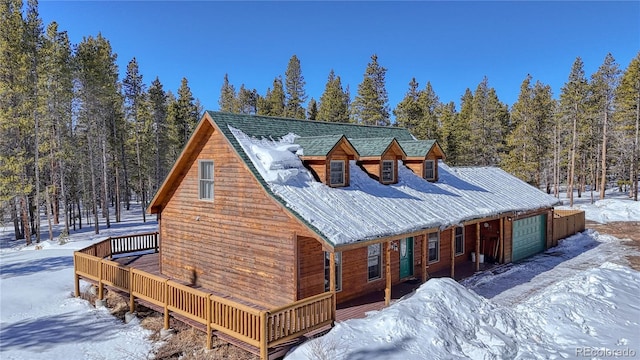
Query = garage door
x=528 y=236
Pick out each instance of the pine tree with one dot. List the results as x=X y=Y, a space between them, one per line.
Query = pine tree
x=158 y=103
x=135 y=103
x=57 y=86
x=370 y=106
x=228 y=99
x=247 y=100
x=462 y=131
x=16 y=121
x=409 y=113
x=312 y=111
x=334 y=102
x=449 y=131
x=295 y=93
x=273 y=102
x=487 y=121
x=573 y=103
x=604 y=83
x=428 y=128
x=528 y=144
x=626 y=125
x=97 y=76
x=183 y=116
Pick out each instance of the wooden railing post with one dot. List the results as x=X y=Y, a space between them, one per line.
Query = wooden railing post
x=166 y=305
x=264 y=336
x=76 y=277
x=208 y=308
x=132 y=304
x=100 y=285
x=156 y=242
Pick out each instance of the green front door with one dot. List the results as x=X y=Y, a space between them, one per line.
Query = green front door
x=529 y=235
x=406 y=257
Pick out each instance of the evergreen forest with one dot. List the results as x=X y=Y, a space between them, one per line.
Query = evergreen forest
x=77 y=140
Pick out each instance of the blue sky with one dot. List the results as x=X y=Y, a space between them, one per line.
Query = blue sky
x=451 y=44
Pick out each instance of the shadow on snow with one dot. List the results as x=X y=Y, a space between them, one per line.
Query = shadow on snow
x=37 y=265
x=501 y=278
x=42 y=333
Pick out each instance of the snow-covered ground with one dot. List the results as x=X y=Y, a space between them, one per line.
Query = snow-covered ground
x=40 y=318
x=579 y=298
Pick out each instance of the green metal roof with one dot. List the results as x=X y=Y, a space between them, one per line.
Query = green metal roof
x=371 y=146
x=273 y=127
x=318 y=145
x=416 y=148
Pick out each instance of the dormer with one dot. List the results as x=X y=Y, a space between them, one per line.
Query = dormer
x=328 y=158
x=379 y=158
x=422 y=157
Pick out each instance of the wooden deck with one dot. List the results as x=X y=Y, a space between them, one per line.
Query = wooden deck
x=352 y=309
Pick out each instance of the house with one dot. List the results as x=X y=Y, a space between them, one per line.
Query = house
x=274 y=210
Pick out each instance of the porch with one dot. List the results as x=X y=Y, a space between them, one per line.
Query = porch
x=130 y=266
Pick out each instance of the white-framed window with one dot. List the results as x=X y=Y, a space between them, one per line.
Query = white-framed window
x=336 y=176
x=205 y=180
x=429 y=169
x=374 y=261
x=327 y=271
x=459 y=240
x=434 y=247
x=387 y=171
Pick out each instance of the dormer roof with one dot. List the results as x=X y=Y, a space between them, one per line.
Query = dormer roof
x=376 y=147
x=420 y=148
x=321 y=146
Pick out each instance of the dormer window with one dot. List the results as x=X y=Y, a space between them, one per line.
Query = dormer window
x=429 y=170
x=337 y=173
x=387 y=171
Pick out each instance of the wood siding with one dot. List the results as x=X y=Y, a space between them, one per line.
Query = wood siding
x=310 y=267
x=417 y=165
x=241 y=243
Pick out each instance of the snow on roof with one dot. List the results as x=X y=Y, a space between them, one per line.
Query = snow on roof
x=367 y=210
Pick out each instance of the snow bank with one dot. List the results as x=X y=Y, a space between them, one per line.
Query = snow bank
x=444 y=320
x=610 y=210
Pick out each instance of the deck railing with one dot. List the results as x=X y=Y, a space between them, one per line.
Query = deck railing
x=263 y=329
x=567 y=223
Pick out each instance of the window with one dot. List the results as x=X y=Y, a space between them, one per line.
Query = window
x=459 y=240
x=387 y=171
x=338 y=271
x=205 y=179
x=375 y=261
x=429 y=169
x=337 y=173
x=434 y=247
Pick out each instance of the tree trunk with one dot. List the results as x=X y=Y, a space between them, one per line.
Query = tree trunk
x=603 y=180
x=16 y=220
x=636 y=152
x=94 y=194
x=49 y=215
x=24 y=201
x=105 y=187
x=572 y=165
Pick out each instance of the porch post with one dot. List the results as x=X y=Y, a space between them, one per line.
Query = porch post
x=478 y=246
x=453 y=252
x=387 y=273
x=332 y=282
x=425 y=240
x=501 y=241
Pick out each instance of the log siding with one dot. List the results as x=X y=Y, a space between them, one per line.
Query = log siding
x=240 y=243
